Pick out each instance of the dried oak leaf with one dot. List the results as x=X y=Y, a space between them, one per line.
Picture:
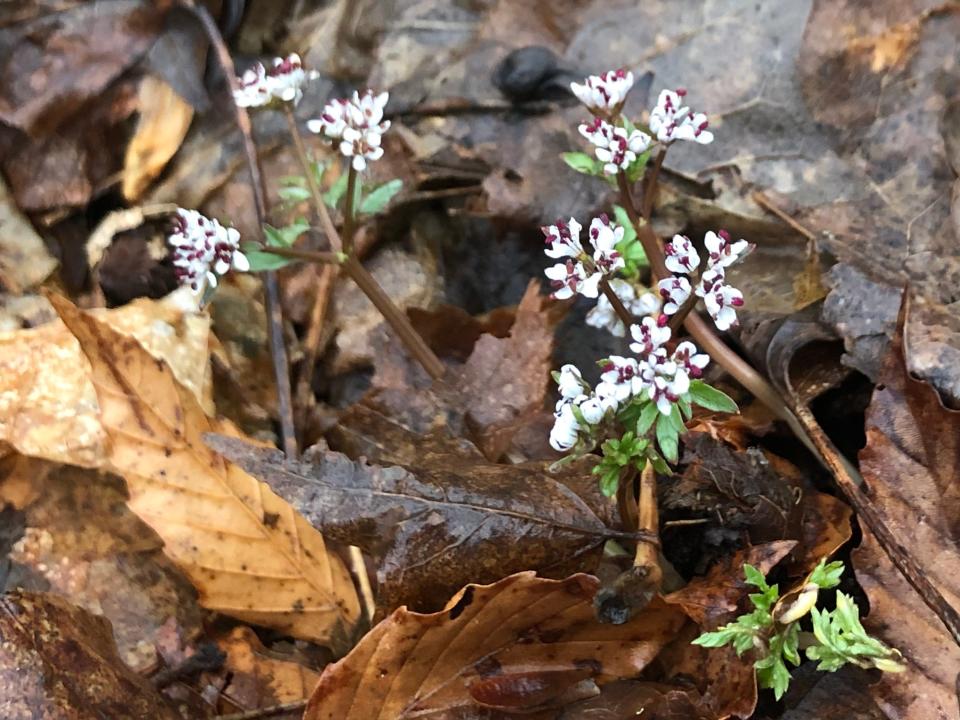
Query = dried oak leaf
x=59 y=662
x=911 y=464
x=435 y=526
x=48 y=405
x=517 y=646
x=82 y=542
x=248 y=553
x=714 y=599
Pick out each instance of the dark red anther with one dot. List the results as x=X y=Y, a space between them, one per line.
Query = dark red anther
x=736 y=302
x=724 y=234
x=663 y=319
x=681 y=91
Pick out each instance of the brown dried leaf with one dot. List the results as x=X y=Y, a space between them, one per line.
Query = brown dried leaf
x=248 y=553
x=911 y=464
x=58 y=661
x=24 y=258
x=436 y=525
x=163 y=123
x=258 y=680
x=48 y=405
x=518 y=646
x=713 y=600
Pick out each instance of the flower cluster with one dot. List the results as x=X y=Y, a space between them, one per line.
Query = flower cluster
x=670 y=120
x=682 y=258
x=604 y=94
x=602 y=315
x=581 y=272
x=655 y=375
x=282 y=83
x=202 y=249
x=615 y=147
x=357 y=123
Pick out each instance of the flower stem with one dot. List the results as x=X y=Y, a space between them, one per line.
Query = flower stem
x=394 y=316
x=326 y=258
x=349 y=211
x=709 y=341
x=650 y=184
x=278 y=350
x=616 y=303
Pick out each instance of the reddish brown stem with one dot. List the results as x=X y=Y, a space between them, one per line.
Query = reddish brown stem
x=325 y=258
x=349 y=211
x=618 y=307
x=650 y=185
x=271 y=287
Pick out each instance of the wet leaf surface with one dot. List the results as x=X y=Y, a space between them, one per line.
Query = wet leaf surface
x=518 y=645
x=911 y=465
x=450 y=518
x=58 y=661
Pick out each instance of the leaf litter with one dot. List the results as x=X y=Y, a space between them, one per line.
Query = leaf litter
x=448 y=488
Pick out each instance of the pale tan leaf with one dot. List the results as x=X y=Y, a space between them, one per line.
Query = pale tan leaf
x=48 y=406
x=248 y=553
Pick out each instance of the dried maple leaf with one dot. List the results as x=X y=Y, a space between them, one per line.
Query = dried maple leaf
x=435 y=526
x=518 y=645
x=248 y=553
x=911 y=464
x=58 y=661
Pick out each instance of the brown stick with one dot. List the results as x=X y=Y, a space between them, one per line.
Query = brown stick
x=647 y=555
x=349 y=211
x=324 y=258
x=849 y=481
x=271 y=287
x=650 y=184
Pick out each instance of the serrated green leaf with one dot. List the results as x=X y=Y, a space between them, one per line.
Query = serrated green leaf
x=583 y=163
x=742 y=643
x=791 y=643
x=754 y=577
x=710 y=398
x=380 y=197
x=658 y=462
x=609 y=483
x=776 y=677
x=648 y=416
x=637 y=167
x=718 y=638
x=335 y=192
x=667 y=438
x=827 y=575
x=293 y=194
x=285 y=236
x=261 y=261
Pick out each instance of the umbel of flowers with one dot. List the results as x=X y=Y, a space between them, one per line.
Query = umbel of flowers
x=650 y=392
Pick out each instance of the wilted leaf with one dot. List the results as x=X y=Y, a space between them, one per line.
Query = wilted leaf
x=911 y=464
x=82 y=542
x=517 y=645
x=434 y=526
x=257 y=679
x=714 y=600
x=48 y=406
x=248 y=553
x=58 y=661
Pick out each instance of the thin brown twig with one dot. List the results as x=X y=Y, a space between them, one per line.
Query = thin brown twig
x=618 y=307
x=648 y=521
x=278 y=350
x=315 y=256
x=349 y=210
x=767 y=204
x=650 y=184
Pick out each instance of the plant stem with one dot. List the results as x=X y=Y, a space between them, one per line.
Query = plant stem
x=349 y=211
x=397 y=319
x=326 y=258
x=650 y=184
x=647 y=556
x=616 y=303
x=704 y=335
x=271 y=287
x=318 y=205
x=355 y=270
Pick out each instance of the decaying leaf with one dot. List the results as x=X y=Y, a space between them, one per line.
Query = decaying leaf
x=248 y=553
x=911 y=464
x=437 y=525
x=58 y=661
x=48 y=406
x=24 y=259
x=517 y=646
x=714 y=600
x=82 y=542
x=258 y=680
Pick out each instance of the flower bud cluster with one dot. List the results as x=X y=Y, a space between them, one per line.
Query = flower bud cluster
x=282 y=83
x=357 y=123
x=202 y=249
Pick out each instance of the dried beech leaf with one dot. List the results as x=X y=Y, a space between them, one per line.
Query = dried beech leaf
x=911 y=464
x=520 y=644
x=58 y=661
x=48 y=406
x=248 y=553
x=435 y=526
